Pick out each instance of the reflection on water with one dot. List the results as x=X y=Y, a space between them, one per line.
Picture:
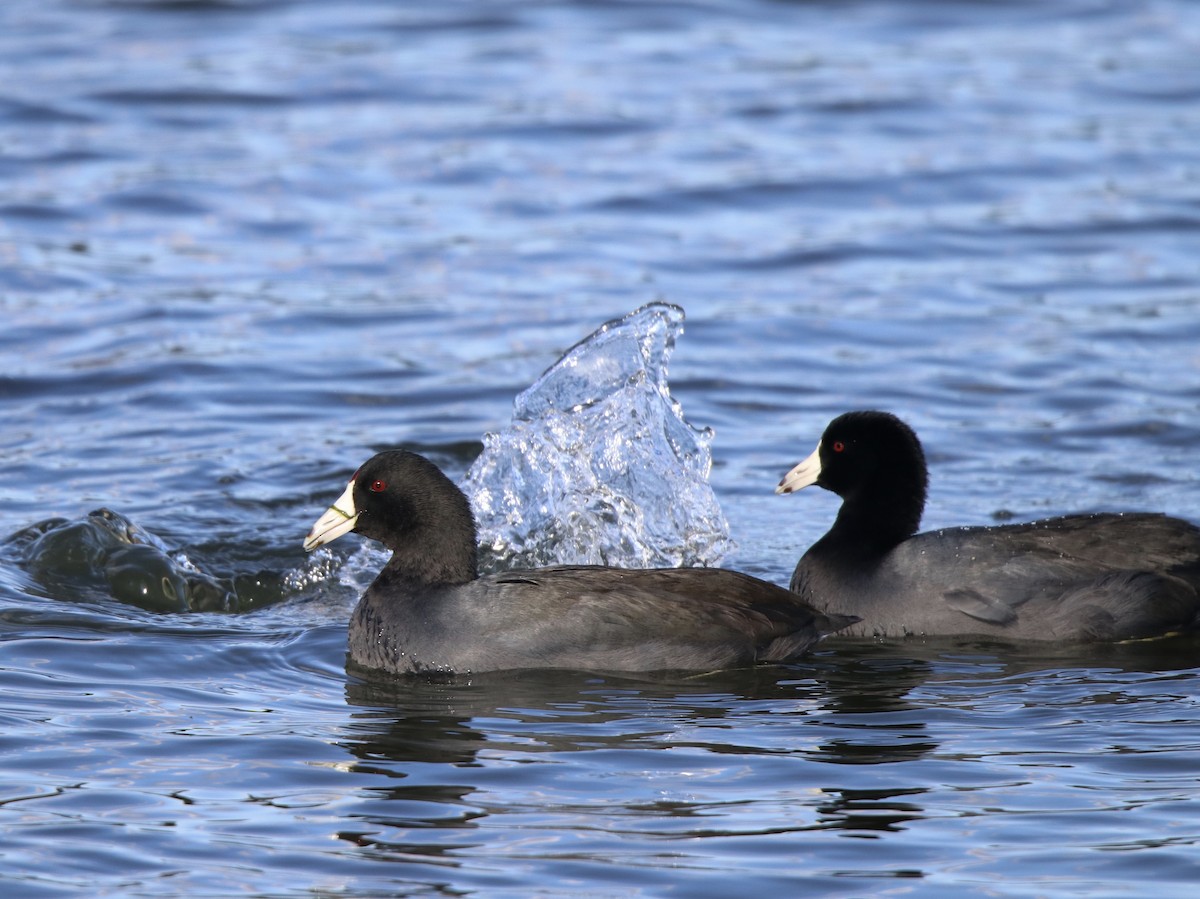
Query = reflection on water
x=863 y=742
x=723 y=774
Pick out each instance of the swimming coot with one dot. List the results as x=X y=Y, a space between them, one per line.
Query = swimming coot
x=427 y=611
x=1076 y=578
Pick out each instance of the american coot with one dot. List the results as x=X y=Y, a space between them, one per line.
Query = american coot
x=1075 y=578
x=428 y=611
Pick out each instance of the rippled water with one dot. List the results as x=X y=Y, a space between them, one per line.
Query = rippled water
x=244 y=244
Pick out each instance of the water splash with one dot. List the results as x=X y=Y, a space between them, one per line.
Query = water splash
x=104 y=554
x=598 y=465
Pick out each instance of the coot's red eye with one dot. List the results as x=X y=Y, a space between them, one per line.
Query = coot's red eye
x=378 y=486
x=838 y=446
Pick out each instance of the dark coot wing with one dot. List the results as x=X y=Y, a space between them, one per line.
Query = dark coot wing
x=642 y=619
x=980 y=606
x=1081 y=577
x=1132 y=541
x=1124 y=605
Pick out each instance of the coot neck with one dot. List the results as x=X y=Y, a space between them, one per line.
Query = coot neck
x=874 y=519
x=432 y=539
x=437 y=565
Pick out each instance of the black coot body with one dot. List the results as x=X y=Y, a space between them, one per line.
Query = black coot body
x=1078 y=578
x=427 y=611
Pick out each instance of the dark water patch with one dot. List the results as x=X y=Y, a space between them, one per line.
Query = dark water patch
x=23 y=112
x=912 y=189
x=69 y=392
x=817 y=256
x=1068 y=236
x=173 y=98
x=1173 y=81
x=855 y=106
x=553 y=126
x=189 y=7
x=37 y=212
x=155 y=203
x=291 y=228
x=451 y=23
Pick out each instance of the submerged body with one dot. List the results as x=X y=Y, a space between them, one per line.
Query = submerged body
x=1077 y=578
x=427 y=611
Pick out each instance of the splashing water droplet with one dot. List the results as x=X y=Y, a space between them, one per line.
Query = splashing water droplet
x=598 y=465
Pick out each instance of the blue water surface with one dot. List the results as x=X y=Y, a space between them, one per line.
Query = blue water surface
x=244 y=244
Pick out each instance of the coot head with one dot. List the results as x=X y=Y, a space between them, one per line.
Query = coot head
x=406 y=503
x=874 y=461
